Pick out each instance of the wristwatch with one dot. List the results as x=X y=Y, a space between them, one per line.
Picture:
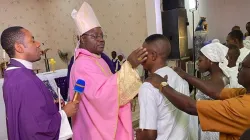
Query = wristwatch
x=163 y=84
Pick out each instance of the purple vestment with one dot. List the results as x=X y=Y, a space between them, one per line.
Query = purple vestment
x=30 y=110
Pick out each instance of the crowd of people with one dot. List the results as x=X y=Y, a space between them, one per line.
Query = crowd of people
x=220 y=110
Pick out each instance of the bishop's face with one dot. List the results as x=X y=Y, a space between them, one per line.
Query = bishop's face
x=93 y=41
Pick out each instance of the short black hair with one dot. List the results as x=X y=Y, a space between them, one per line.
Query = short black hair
x=155 y=37
x=237 y=34
x=9 y=37
x=159 y=37
x=236 y=27
x=235 y=49
x=248 y=23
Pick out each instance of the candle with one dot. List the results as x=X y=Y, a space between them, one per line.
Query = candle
x=59 y=98
x=3 y=54
x=52 y=63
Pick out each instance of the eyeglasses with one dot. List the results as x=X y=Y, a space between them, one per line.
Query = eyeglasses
x=241 y=66
x=97 y=36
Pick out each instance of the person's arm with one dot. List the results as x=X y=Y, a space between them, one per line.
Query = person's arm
x=228 y=93
x=129 y=82
x=146 y=134
x=148 y=113
x=211 y=88
x=128 y=78
x=179 y=100
x=182 y=102
x=227 y=116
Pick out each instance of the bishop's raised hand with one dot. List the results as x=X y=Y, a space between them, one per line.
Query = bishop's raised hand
x=137 y=57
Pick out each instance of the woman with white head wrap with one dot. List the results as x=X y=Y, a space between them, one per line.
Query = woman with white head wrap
x=212 y=59
x=216 y=53
x=121 y=60
x=121 y=57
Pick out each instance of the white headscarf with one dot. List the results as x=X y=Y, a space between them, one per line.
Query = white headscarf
x=216 y=52
x=120 y=53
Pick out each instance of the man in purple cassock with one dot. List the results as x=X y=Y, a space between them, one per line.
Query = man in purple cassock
x=31 y=113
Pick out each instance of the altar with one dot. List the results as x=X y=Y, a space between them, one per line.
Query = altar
x=51 y=79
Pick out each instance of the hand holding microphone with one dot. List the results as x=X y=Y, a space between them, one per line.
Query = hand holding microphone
x=71 y=107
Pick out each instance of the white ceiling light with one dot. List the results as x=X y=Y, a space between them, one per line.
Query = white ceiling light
x=192 y=5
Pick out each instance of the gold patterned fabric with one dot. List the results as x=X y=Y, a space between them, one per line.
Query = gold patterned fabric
x=129 y=82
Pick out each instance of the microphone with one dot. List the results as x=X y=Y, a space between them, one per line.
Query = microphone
x=79 y=88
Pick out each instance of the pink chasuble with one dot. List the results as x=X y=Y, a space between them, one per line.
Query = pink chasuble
x=104 y=110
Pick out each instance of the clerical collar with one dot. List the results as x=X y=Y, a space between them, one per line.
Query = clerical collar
x=27 y=64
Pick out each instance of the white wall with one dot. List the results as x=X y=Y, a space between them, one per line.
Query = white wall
x=124 y=22
x=153 y=16
x=24 y=13
x=221 y=15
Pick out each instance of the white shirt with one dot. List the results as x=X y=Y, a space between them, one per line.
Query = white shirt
x=243 y=53
x=233 y=72
x=158 y=113
x=27 y=64
x=65 y=129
